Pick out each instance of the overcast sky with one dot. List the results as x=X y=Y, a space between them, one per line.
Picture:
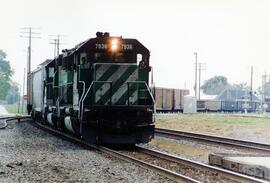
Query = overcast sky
x=230 y=36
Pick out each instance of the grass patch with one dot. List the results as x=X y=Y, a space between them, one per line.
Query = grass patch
x=214 y=124
x=212 y=119
x=12 y=108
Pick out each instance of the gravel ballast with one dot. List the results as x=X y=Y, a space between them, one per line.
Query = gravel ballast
x=28 y=154
x=192 y=149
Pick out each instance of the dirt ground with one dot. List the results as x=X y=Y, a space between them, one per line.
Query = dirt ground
x=226 y=125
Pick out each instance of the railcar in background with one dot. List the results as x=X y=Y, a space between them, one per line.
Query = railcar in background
x=169 y=99
x=208 y=105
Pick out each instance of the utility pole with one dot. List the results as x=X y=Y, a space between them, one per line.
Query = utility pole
x=29 y=34
x=56 y=42
x=265 y=87
x=251 y=83
x=152 y=76
x=201 y=67
x=23 y=103
x=196 y=64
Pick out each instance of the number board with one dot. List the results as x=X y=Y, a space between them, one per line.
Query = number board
x=104 y=46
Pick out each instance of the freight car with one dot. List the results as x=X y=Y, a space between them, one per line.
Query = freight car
x=169 y=99
x=209 y=105
x=227 y=105
x=97 y=90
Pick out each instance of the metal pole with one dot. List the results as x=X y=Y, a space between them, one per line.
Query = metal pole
x=58 y=42
x=29 y=36
x=200 y=69
x=264 y=92
x=23 y=90
x=19 y=102
x=152 y=76
x=196 y=63
x=251 y=82
x=29 y=52
x=54 y=48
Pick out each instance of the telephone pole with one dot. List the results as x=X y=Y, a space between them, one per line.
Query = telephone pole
x=201 y=67
x=265 y=87
x=196 y=64
x=251 y=83
x=29 y=34
x=55 y=40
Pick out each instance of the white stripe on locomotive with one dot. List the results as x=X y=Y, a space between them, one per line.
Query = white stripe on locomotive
x=124 y=88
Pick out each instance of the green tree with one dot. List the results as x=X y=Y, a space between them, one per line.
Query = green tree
x=240 y=86
x=13 y=94
x=5 y=74
x=215 y=85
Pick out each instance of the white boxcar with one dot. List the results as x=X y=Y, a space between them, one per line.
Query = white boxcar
x=184 y=92
x=190 y=104
x=37 y=86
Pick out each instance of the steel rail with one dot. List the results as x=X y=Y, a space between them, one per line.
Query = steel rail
x=214 y=139
x=10 y=118
x=197 y=165
x=165 y=172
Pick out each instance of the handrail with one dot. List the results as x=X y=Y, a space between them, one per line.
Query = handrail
x=54 y=79
x=153 y=99
x=80 y=81
x=58 y=100
x=85 y=95
x=83 y=98
x=148 y=89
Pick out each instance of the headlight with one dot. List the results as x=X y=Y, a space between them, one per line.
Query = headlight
x=114 y=44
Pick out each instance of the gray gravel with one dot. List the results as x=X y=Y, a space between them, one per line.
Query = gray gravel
x=28 y=154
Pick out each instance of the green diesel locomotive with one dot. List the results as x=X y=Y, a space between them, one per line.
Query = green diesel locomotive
x=97 y=90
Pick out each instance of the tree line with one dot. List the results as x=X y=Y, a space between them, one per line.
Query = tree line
x=217 y=84
x=9 y=90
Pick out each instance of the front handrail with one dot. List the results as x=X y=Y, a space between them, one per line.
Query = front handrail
x=83 y=99
x=81 y=107
x=148 y=89
x=81 y=96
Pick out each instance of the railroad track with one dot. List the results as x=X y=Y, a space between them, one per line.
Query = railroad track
x=166 y=169
x=213 y=139
x=199 y=171
x=4 y=120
